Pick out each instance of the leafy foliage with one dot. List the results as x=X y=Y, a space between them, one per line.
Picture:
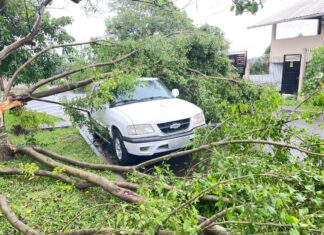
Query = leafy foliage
x=315 y=71
x=241 y=6
x=315 y=77
x=171 y=58
x=254 y=184
x=140 y=20
x=16 y=21
x=261 y=65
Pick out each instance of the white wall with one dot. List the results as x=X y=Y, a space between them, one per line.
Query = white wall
x=281 y=47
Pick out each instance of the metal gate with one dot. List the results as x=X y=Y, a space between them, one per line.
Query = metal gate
x=290 y=74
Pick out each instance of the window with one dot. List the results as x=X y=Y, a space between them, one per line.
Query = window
x=298 y=28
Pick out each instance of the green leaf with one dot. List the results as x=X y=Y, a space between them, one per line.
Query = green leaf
x=299 y=197
x=293 y=231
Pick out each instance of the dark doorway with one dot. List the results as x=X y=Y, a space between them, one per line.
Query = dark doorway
x=290 y=74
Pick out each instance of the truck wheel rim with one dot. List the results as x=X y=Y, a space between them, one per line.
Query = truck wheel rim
x=118 y=149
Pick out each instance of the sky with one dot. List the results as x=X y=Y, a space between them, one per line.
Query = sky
x=213 y=12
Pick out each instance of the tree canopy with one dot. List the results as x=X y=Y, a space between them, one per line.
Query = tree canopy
x=16 y=21
x=141 y=20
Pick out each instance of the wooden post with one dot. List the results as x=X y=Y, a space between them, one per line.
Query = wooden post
x=302 y=74
x=247 y=71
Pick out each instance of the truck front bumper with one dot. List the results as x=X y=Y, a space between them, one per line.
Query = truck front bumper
x=148 y=146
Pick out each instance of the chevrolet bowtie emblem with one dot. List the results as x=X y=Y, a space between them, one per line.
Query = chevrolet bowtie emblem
x=175 y=125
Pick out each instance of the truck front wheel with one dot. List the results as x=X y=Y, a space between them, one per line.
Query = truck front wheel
x=120 y=150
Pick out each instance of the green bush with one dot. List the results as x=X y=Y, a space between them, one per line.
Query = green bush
x=315 y=72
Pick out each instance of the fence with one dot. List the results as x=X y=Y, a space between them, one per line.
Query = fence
x=269 y=73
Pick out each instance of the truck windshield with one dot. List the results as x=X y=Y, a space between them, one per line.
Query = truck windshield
x=144 y=91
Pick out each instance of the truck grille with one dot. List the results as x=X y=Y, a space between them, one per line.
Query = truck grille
x=174 y=126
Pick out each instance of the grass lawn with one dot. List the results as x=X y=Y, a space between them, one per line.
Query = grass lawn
x=46 y=204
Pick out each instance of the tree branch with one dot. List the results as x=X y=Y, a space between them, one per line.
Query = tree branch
x=172 y=155
x=63 y=178
x=93 y=231
x=13 y=219
x=203 y=192
x=73 y=71
x=59 y=103
x=221 y=143
x=3 y=4
x=64 y=88
x=208 y=222
x=118 y=169
x=7 y=50
x=29 y=61
x=270 y=224
x=307 y=98
x=216 y=78
x=93 y=166
x=100 y=181
x=213 y=229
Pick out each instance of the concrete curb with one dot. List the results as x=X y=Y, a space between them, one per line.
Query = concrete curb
x=90 y=143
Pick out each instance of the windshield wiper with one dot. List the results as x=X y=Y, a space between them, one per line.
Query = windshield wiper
x=126 y=101
x=154 y=98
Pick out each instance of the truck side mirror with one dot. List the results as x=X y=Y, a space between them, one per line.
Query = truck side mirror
x=175 y=92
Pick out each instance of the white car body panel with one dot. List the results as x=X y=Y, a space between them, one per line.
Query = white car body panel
x=159 y=111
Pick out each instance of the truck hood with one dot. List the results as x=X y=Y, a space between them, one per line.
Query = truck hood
x=159 y=111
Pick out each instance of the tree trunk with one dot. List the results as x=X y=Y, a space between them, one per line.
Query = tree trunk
x=5 y=151
x=2 y=88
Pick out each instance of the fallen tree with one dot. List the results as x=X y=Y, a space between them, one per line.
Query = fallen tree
x=227 y=187
x=206 y=224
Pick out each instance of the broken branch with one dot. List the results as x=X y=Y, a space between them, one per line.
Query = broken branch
x=86 y=165
x=63 y=178
x=116 y=168
x=13 y=219
x=104 y=183
x=68 y=87
x=266 y=224
x=221 y=143
x=208 y=222
x=29 y=61
x=73 y=71
x=92 y=231
x=203 y=192
x=216 y=78
x=59 y=103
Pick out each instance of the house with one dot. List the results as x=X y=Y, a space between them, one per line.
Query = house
x=290 y=53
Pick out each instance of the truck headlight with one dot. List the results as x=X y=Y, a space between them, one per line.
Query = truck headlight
x=142 y=129
x=198 y=118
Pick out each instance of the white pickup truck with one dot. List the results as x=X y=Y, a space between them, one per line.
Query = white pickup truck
x=148 y=120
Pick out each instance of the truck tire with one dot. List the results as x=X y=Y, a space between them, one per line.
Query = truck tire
x=119 y=149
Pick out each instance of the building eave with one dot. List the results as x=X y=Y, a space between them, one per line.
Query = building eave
x=304 y=9
x=287 y=20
